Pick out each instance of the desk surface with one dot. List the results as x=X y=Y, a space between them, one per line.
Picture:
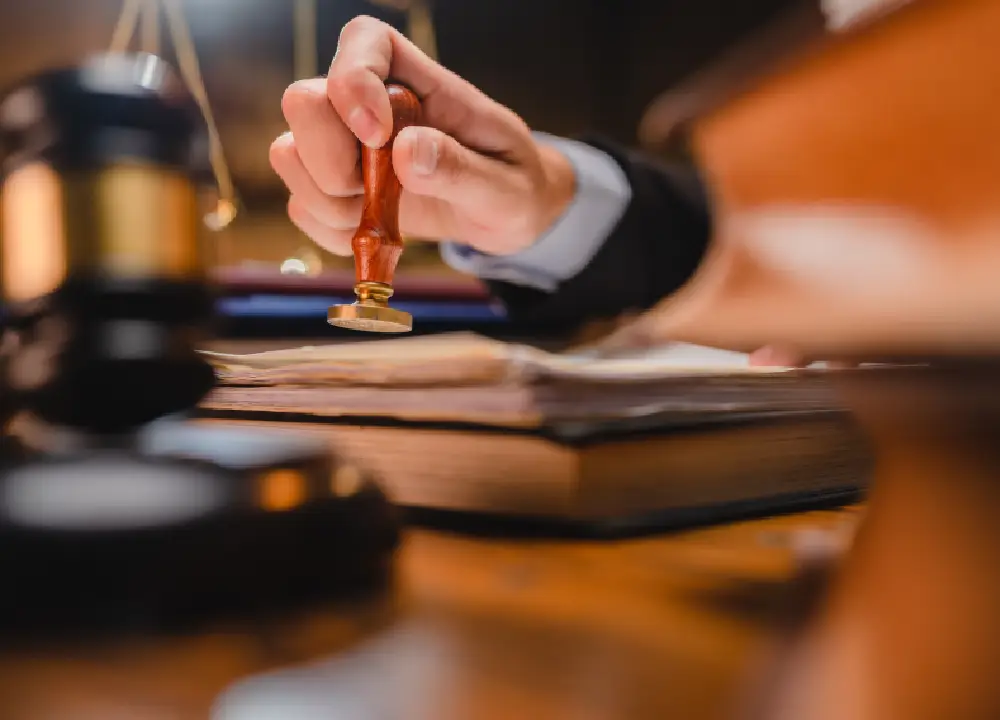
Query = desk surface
x=477 y=628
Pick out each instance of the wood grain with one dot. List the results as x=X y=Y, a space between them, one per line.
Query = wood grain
x=377 y=244
x=480 y=629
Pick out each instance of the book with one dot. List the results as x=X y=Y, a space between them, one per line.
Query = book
x=465 y=424
x=628 y=479
x=243 y=281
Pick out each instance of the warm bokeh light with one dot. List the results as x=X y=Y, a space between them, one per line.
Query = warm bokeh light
x=347 y=480
x=32 y=209
x=223 y=214
x=282 y=490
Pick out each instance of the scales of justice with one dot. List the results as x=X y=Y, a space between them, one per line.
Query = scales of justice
x=377 y=244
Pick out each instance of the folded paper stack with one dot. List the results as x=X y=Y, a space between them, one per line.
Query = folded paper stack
x=471 y=379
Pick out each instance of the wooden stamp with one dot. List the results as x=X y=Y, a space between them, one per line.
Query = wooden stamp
x=377 y=244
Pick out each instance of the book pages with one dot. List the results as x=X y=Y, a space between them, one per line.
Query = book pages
x=469 y=359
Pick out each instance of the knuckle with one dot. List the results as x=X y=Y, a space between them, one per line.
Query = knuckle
x=332 y=214
x=362 y=41
x=348 y=182
x=302 y=96
x=347 y=214
x=296 y=212
x=332 y=183
x=280 y=151
x=347 y=81
x=337 y=84
x=453 y=166
x=335 y=175
x=360 y=25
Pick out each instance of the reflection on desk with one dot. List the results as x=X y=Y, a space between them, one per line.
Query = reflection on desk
x=480 y=628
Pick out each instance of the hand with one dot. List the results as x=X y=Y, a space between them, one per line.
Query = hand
x=778 y=356
x=472 y=174
x=628 y=333
x=634 y=331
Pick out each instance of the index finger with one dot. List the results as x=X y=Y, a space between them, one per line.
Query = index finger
x=369 y=53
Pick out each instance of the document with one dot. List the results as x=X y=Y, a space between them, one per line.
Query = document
x=470 y=359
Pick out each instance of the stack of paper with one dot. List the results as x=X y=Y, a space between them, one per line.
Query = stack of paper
x=472 y=379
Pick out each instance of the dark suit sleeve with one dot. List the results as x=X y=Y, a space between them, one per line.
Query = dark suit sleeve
x=652 y=251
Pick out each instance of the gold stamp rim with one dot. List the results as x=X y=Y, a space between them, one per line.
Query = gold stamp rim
x=370 y=317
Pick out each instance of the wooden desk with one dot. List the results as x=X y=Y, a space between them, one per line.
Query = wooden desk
x=477 y=629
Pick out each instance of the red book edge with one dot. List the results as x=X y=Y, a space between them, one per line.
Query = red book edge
x=241 y=281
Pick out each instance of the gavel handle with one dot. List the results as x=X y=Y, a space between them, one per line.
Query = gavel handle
x=377 y=244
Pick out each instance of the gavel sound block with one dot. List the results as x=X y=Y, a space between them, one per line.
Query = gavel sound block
x=116 y=515
x=377 y=244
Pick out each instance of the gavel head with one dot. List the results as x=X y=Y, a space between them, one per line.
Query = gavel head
x=101 y=272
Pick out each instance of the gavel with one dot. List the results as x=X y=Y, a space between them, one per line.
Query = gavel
x=101 y=268
x=377 y=244
x=110 y=493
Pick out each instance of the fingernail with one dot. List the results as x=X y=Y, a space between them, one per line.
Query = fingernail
x=425 y=154
x=364 y=124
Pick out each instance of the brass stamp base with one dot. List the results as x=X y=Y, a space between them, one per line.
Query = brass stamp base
x=371 y=313
x=370 y=316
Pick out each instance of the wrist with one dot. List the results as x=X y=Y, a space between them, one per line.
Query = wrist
x=558 y=186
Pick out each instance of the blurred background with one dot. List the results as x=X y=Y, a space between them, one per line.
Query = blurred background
x=567 y=66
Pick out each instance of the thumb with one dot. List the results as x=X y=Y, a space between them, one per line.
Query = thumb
x=433 y=164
